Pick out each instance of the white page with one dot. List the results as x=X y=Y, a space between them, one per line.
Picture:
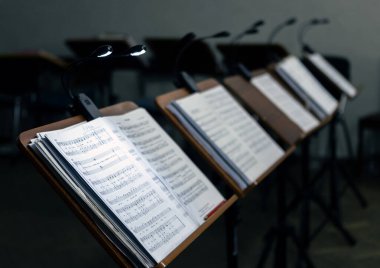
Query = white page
x=325 y=67
x=311 y=86
x=36 y=144
x=189 y=184
x=259 y=143
x=282 y=99
x=203 y=140
x=199 y=110
x=115 y=172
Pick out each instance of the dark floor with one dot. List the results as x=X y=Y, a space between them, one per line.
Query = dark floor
x=38 y=230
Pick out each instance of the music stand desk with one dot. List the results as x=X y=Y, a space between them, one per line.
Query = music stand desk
x=81 y=212
x=164 y=100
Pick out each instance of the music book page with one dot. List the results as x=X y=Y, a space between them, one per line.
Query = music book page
x=309 y=84
x=197 y=108
x=283 y=100
x=38 y=146
x=222 y=159
x=189 y=184
x=252 y=135
x=333 y=74
x=119 y=179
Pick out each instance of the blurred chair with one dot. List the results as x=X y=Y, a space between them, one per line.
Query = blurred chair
x=24 y=96
x=252 y=55
x=368 y=123
x=199 y=61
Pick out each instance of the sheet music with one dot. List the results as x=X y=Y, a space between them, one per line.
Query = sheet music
x=334 y=75
x=225 y=163
x=300 y=75
x=221 y=134
x=38 y=146
x=119 y=178
x=189 y=184
x=254 y=137
x=273 y=90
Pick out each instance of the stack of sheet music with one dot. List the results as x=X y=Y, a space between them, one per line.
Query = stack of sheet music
x=331 y=73
x=140 y=188
x=235 y=140
x=284 y=101
x=307 y=87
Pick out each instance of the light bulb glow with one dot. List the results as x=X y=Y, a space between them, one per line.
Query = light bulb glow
x=104 y=54
x=138 y=53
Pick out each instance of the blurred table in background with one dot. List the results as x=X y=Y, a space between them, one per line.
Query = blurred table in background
x=28 y=92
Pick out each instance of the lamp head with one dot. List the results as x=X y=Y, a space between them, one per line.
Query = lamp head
x=254 y=27
x=136 y=50
x=319 y=21
x=258 y=23
x=182 y=78
x=251 y=31
x=102 y=51
x=220 y=34
x=187 y=38
x=324 y=21
x=291 y=21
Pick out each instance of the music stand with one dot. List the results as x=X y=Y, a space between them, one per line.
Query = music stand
x=231 y=227
x=82 y=213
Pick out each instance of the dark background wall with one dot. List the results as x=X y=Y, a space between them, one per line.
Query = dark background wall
x=353 y=32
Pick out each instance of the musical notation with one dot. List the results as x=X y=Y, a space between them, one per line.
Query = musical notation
x=115 y=171
x=142 y=205
x=90 y=141
x=152 y=221
x=194 y=191
x=163 y=233
x=131 y=191
x=168 y=160
x=114 y=175
x=219 y=131
x=100 y=162
x=300 y=75
x=273 y=90
x=261 y=146
x=333 y=74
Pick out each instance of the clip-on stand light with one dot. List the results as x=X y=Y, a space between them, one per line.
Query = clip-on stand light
x=272 y=56
x=235 y=66
x=81 y=103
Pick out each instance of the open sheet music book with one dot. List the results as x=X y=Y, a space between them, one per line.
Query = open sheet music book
x=231 y=136
x=134 y=179
x=284 y=101
x=307 y=87
x=333 y=74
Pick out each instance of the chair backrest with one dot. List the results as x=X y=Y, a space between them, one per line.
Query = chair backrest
x=198 y=59
x=253 y=56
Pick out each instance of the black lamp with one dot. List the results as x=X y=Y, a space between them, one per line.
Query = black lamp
x=81 y=103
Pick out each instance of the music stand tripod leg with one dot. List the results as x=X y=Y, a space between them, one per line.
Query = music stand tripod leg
x=279 y=233
x=311 y=196
x=336 y=166
x=270 y=238
x=232 y=221
x=334 y=219
x=301 y=250
x=351 y=184
x=305 y=209
x=347 y=136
